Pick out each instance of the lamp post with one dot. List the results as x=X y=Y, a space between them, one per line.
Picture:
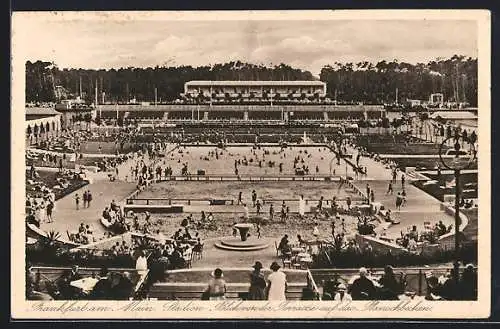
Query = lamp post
x=461 y=157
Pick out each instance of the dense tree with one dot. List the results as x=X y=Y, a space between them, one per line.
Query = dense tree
x=370 y=83
x=365 y=82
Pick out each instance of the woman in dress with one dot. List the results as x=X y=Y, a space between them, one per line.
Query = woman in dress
x=257 y=283
x=302 y=206
x=277 y=283
x=216 y=289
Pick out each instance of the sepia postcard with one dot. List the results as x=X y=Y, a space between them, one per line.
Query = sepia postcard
x=251 y=164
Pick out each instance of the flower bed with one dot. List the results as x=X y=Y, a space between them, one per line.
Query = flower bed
x=49 y=179
x=352 y=259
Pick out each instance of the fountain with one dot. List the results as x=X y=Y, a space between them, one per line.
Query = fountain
x=244 y=242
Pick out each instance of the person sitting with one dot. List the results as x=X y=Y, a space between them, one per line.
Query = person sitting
x=468 y=283
x=177 y=235
x=176 y=259
x=362 y=288
x=198 y=247
x=187 y=235
x=441 y=228
x=124 y=288
x=102 y=289
x=32 y=287
x=391 y=288
x=283 y=242
x=300 y=241
x=433 y=287
x=449 y=288
x=342 y=295
x=74 y=275
x=216 y=289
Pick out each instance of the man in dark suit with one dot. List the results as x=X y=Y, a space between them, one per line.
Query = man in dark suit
x=102 y=289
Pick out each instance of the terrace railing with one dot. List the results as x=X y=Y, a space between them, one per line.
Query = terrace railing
x=414 y=278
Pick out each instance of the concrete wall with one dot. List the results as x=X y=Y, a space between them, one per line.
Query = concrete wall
x=379 y=245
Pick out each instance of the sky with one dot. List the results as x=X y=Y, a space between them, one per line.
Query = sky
x=306 y=44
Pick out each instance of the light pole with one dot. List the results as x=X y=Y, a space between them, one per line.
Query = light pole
x=462 y=157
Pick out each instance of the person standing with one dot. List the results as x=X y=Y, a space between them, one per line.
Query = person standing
x=277 y=284
x=77 y=201
x=89 y=198
x=246 y=212
x=258 y=206
x=254 y=197
x=403 y=181
x=240 y=198
x=399 y=201
x=348 y=201
x=257 y=283
x=372 y=196
x=85 y=199
x=50 y=207
x=302 y=206
x=390 y=190
x=271 y=212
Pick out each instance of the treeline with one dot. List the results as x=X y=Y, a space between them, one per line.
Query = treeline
x=121 y=85
x=365 y=82
x=455 y=78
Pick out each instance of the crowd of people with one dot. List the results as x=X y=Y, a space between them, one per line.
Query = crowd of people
x=72 y=285
x=273 y=287
x=413 y=238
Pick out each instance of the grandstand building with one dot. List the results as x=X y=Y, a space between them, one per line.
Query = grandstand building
x=246 y=90
x=245 y=101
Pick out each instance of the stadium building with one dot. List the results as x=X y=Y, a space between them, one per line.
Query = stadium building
x=246 y=90
x=245 y=101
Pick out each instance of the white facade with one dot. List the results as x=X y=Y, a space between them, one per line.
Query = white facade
x=255 y=89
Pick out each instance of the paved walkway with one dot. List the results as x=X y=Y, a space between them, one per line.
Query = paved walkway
x=420 y=206
x=67 y=218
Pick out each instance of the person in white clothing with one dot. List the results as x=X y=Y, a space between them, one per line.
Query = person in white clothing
x=316 y=230
x=342 y=295
x=141 y=263
x=302 y=206
x=277 y=285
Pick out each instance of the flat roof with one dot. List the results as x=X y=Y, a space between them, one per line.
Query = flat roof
x=254 y=83
x=457 y=115
x=45 y=111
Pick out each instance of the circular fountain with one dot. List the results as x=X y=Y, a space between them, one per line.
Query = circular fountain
x=244 y=242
